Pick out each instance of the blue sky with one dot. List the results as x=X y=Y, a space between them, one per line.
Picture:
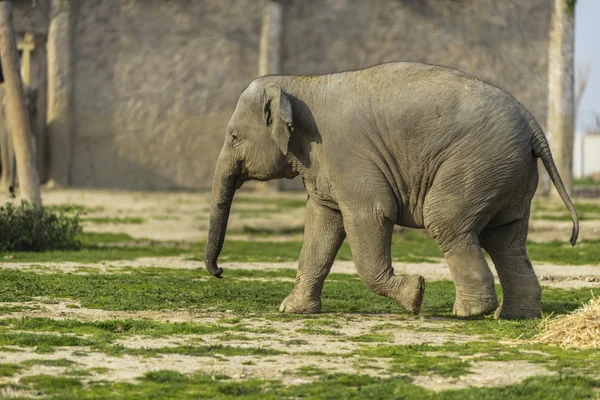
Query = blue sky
x=587 y=52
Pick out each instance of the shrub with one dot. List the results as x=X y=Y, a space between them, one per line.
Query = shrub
x=33 y=228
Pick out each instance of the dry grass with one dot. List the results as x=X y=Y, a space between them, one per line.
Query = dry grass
x=580 y=329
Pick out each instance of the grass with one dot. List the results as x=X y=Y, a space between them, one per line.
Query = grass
x=9 y=369
x=561 y=252
x=114 y=220
x=407 y=246
x=250 y=300
x=59 y=362
x=149 y=289
x=586 y=181
x=171 y=384
x=97 y=247
x=558 y=212
x=73 y=209
x=164 y=289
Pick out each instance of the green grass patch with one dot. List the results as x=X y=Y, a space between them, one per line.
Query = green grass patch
x=96 y=238
x=196 y=351
x=586 y=181
x=561 y=252
x=77 y=372
x=319 y=332
x=171 y=385
x=100 y=370
x=408 y=246
x=50 y=384
x=93 y=249
x=164 y=376
x=115 y=220
x=320 y=322
x=116 y=328
x=558 y=212
x=73 y=209
x=311 y=370
x=44 y=343
x=15 y=309
x=177 y=289
x=59 y=362
x=9 y=369
x=372 y=338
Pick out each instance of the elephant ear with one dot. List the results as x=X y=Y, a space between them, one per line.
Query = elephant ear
x=278 y=115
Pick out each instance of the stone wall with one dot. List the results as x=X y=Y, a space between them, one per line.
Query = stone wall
x=155 y=81
x=502 y=42
x=31 y=15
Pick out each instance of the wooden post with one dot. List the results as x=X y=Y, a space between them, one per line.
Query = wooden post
x=59 y=106
x=18 y=116
x=269 y=57
x=560 y=122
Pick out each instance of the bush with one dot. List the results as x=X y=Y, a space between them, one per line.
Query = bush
x=33 y=228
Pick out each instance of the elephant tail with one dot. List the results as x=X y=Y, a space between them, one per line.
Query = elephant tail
x=541 y=149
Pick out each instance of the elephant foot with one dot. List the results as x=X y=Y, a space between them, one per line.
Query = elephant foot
x=523 y=309
x=517 y=313
x=472 y=307
x=411 y=292
x=295 y=304
x=522 y=301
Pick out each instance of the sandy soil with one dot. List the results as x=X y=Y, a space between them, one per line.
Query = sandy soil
x=485 y=373
x=561 y=276
x=183 y=216
x=128 y=368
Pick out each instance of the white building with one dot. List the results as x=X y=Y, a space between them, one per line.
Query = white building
x=586 y=155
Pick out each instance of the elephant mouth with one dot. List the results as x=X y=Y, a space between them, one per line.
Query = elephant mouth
x=240 y=179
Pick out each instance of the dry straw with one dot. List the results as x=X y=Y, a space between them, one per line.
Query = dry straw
x=580 y=329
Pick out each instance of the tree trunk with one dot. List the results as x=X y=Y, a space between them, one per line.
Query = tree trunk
x=269 y=54
x=17 y=114
x=561 y=106
x=59 y=129
x=269 y=57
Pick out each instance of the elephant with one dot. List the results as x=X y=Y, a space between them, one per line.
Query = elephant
x=401 y=143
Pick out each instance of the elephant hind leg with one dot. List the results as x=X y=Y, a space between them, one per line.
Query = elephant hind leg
x=473 y=280
x=369 y=234
x=521 y=289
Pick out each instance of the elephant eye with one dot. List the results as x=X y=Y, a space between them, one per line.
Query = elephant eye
x=234 y=137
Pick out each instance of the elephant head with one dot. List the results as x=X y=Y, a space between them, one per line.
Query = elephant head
x=256 y=146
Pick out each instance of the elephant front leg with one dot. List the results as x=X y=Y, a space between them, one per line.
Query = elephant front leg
x=323 y=236
x=370 y=236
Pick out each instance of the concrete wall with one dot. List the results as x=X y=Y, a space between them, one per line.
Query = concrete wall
x=31 y=16
x=503 y=42
x=155 y=81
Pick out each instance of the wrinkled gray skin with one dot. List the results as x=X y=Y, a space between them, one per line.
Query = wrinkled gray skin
x=397 y=144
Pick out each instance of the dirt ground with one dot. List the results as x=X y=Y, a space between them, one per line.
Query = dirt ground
x=182 y=216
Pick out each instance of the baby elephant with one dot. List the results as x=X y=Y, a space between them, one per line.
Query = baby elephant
x=406 y=144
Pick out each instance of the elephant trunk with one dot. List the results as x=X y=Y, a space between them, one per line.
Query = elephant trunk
x=223 y=189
